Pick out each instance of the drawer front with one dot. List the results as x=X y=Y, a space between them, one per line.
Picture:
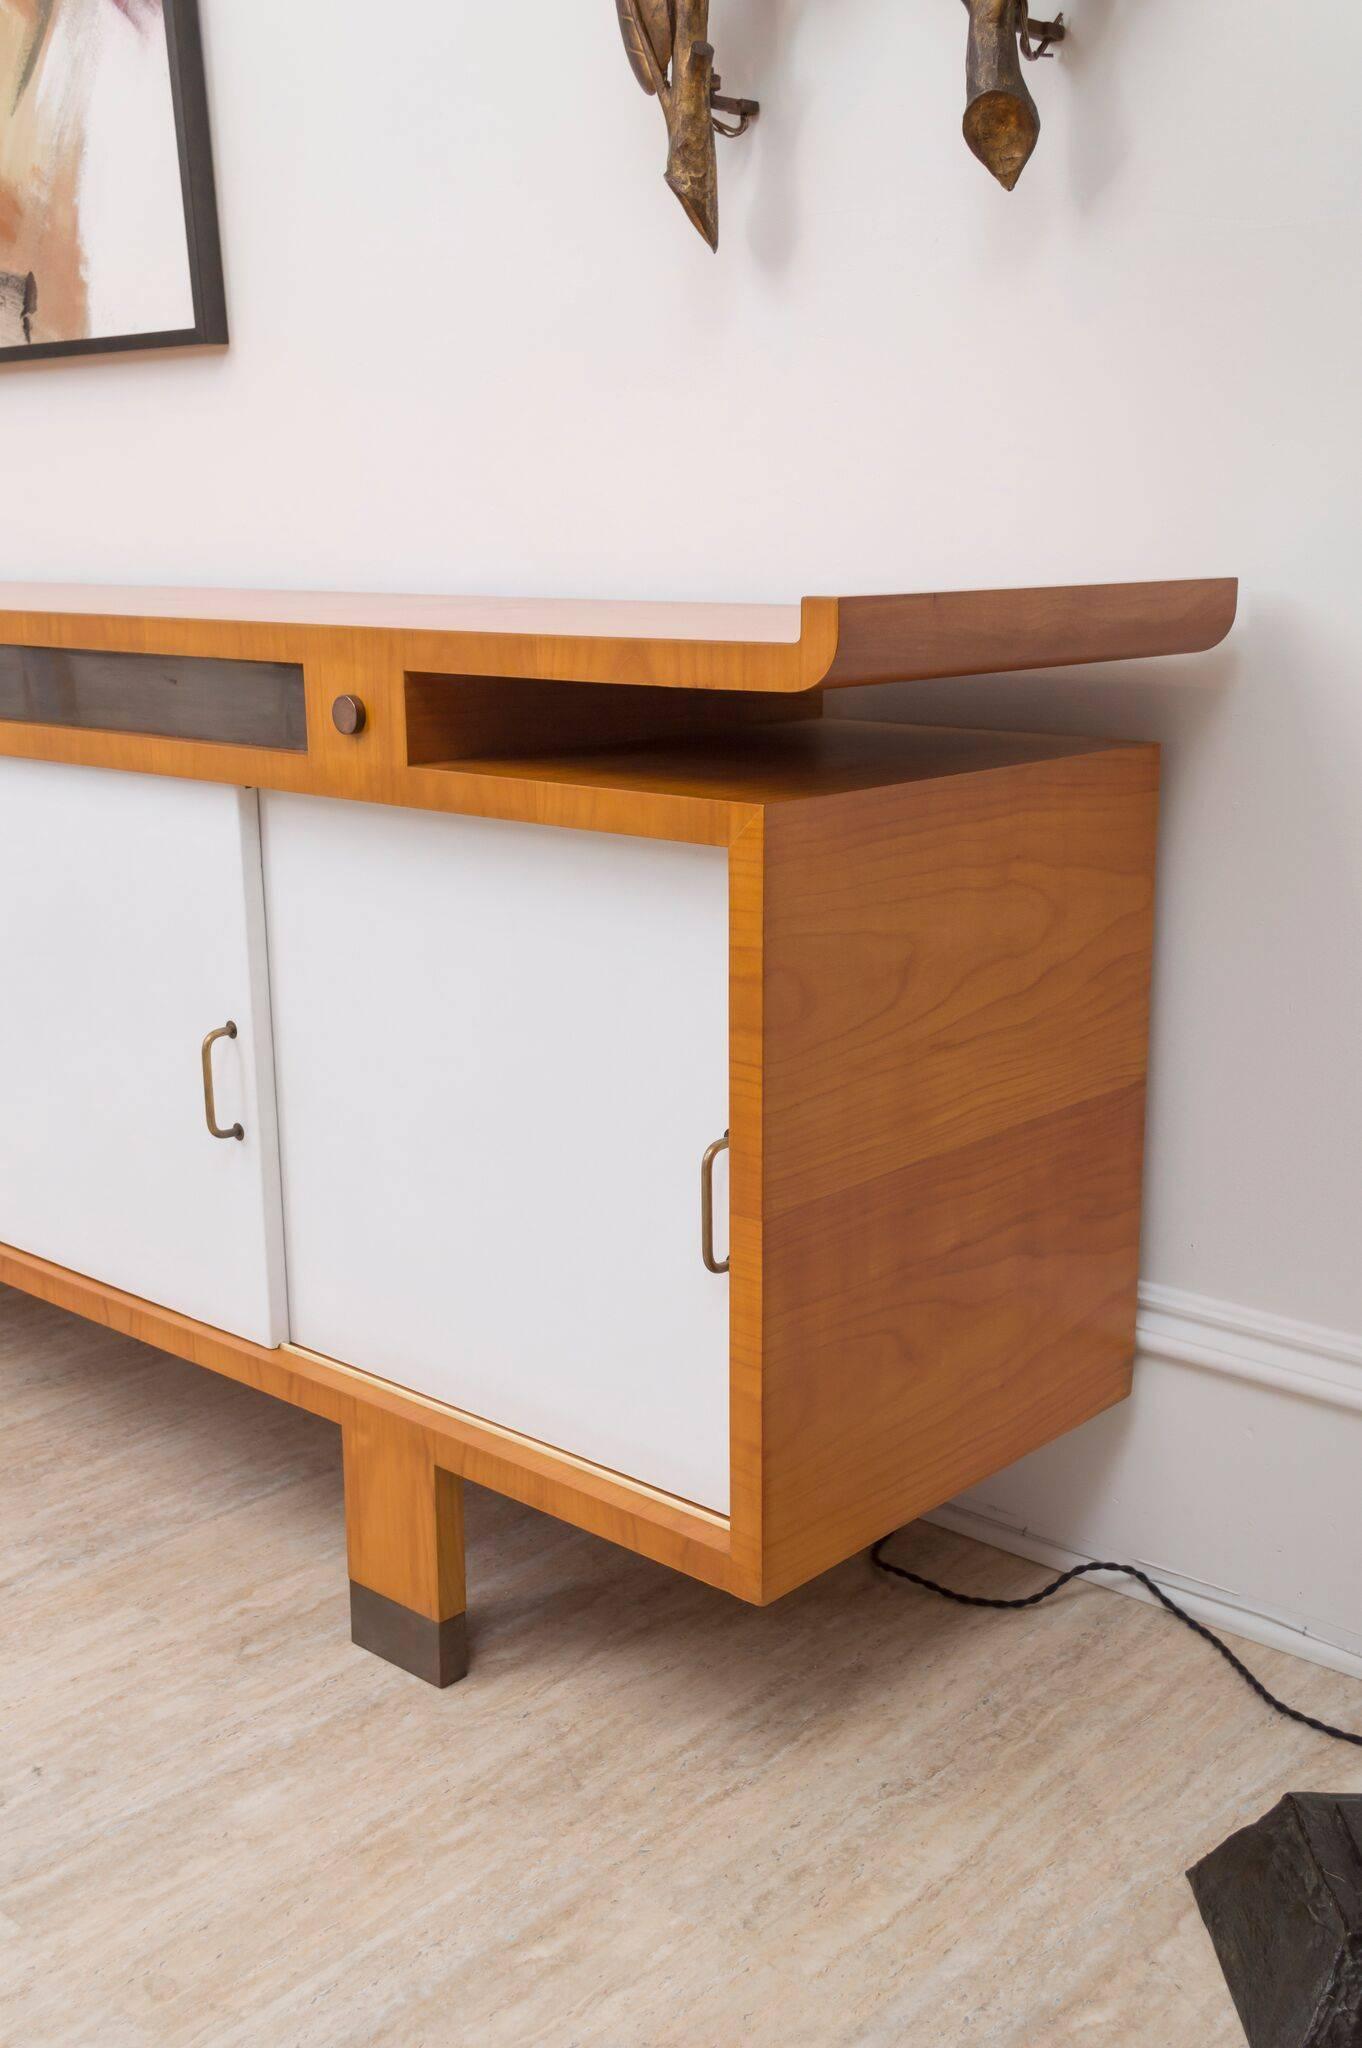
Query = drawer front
x=502 y=1051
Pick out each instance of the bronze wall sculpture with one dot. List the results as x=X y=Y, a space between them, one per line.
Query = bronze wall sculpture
x=669 y=48
x=1001 y=121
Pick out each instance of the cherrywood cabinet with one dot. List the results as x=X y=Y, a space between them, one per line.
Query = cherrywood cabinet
x=525 y=910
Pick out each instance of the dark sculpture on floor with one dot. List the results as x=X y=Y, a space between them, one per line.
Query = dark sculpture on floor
x=669 y=48
x=1282 y=1901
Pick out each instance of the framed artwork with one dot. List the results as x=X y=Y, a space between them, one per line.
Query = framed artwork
x=108 y=219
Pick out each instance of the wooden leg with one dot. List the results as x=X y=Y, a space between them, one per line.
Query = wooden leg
x=404 y=1532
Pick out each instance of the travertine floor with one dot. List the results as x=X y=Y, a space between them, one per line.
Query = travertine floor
x=650 y=1816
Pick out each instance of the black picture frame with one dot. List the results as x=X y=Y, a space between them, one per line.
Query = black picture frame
x=189 y=96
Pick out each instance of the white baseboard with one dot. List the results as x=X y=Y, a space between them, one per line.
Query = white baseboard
x=1246 y=1344
x=1201 y=1604
x=1233 y=1477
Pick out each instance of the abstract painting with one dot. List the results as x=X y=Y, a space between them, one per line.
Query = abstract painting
x=108 y=221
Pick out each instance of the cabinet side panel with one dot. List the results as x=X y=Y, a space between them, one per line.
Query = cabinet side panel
x=951 y=958
x=957 y=993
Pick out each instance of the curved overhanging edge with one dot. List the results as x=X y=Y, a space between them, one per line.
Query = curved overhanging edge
x=930 y=635
x=843 y=641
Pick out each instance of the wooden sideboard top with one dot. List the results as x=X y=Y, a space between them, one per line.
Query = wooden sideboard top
x=823 y=642
x=375 y=611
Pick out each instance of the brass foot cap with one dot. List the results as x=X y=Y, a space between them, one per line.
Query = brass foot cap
x=436 y=1651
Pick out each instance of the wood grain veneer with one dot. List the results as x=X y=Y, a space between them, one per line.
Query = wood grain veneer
x=835 y=641
x=403 y=1514
x=983 y=632
x=955 y=1023
x=488 y=718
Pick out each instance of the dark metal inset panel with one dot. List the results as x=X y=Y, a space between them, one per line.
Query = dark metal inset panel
x=238 y=703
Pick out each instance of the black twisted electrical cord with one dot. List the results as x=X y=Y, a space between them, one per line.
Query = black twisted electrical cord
x=1077 y=1571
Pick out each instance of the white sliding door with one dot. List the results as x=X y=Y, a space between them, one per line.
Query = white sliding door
x=502 y=1050
x=131 y=925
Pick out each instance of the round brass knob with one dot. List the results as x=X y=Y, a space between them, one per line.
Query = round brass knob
x=348 y=715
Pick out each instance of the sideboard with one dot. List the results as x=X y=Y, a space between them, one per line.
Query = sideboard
x=543 y=1039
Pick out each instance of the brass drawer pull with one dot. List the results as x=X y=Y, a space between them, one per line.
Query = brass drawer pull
x=707 y=1205
x=227 y=1030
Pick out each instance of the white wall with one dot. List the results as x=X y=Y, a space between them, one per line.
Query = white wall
x=477 y=347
